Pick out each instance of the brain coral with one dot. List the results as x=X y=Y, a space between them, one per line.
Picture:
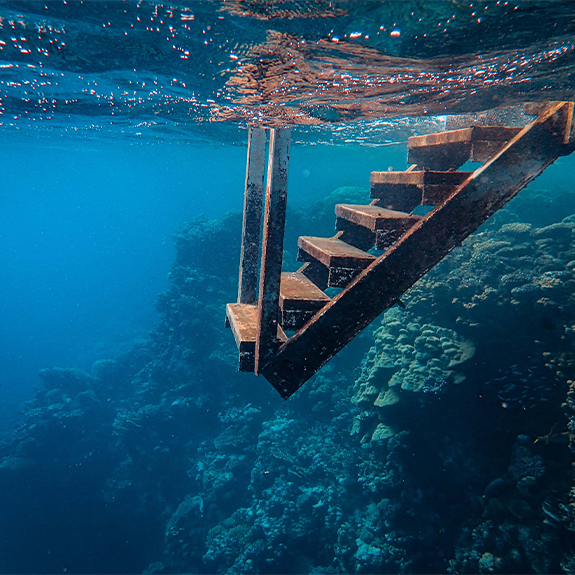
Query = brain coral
x=405 y=354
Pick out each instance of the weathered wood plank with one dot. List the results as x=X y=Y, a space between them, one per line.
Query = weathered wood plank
x=298 y=292
x=272 y=248
x=333 y=263
x=332 y=252
x=473 y=134
x=404 y=191
x=243 y=318
x=450 y=156
x=373 y=217
x=317 y=273
x=404 y=197
x=378 y=287
x=536 y=108
x=435 y=195
x=451 y=149
x=570 y=131
x=383 y=227
x=253 y=201
x=300 y=300
x=419 y=178
x=355 y=235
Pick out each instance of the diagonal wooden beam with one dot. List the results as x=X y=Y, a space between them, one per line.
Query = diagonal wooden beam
x=272 y=246
x=427 y=242
x=253 y=202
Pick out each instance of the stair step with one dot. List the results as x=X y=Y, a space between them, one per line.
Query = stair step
x=383 y=226
x=404 y=191
x=243 y=319
x=453 y=148
x=332 y=252
x=317 y=273
x=300 y=299
x=341 y=260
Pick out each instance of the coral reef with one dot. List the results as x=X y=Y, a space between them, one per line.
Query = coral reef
x=407 y=357
x=440 y=440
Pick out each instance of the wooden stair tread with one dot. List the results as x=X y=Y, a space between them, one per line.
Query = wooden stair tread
x=373 y=217
x=300 y=299
x=243 y=320
x=331 y=261
x=464 y=135
x=332 y=252
x=420 y=178
x=450 y=150
x=372 y=226
x=299 y=292
x=404 y=191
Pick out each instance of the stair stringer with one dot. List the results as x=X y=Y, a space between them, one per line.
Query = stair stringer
x=378 y=287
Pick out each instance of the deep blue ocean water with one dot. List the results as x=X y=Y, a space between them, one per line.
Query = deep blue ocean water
x=129 y=442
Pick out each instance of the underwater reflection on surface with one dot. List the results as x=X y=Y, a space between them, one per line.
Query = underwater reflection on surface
x=172 y=71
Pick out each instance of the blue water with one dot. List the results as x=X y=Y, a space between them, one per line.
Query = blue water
x=86 y=244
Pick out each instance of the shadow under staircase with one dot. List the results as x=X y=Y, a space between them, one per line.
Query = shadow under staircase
x=411 y=244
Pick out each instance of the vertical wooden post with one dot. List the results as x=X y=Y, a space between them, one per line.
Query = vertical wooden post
x=253 y=201
x=570 y=131
x=273 y=243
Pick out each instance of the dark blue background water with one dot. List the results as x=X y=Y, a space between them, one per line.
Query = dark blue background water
x=86 y=243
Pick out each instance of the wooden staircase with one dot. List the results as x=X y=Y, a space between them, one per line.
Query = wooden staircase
x=408 y=245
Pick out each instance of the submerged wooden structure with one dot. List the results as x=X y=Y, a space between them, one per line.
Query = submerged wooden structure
x=411 y=244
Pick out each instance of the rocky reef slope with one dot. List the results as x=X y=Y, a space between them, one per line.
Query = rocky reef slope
x=441 y=440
